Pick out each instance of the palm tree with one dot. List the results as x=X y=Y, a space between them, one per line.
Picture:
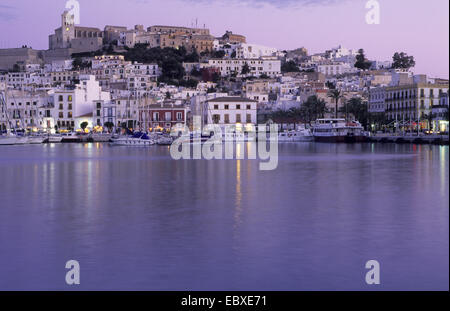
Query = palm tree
x=336 y=95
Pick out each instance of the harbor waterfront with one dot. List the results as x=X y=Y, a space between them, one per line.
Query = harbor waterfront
x=136 y=219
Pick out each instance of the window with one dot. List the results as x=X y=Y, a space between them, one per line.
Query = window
x=249 y=118
x=156 y=116
x=61 y=115
x=216 y=107
x=227 y=118
x=227 y=107
x=216 y=118
x=179 y=116
x=168 y=116
x=69 y=114
x=61 y=98
x=238 y=107
x=238 y=118
x=61 y=107
x=249 y=107
x=99 y=105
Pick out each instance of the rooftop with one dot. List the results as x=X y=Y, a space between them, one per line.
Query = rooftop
x=231 y=100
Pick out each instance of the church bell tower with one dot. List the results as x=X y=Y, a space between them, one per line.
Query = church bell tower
x=67 y=29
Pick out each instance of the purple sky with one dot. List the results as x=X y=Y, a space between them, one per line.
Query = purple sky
x=417 y=27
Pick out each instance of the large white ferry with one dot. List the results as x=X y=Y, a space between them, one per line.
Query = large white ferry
x=338 y=131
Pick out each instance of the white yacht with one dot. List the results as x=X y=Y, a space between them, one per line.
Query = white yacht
x=164 y=141
x=8 y=140
x=137 y=140
x=22 y=140
x=338 y=130
x=55 y=138
x=36 y=139
x=301 y=135
x=70 y=137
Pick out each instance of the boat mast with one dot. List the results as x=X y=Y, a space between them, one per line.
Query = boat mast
x=4 y=100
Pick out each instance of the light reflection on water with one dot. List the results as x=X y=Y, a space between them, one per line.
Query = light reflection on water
x=135 y=219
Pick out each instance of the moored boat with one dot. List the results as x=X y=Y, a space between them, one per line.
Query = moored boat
x=36 y=139
x=137 y=140
x=338 y=131
x=301 y=135
x=8 y=140
x=70 y=137
x=54 y=138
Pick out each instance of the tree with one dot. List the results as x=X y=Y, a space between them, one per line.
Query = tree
x=403 y=61
x=245 y=69
x=330 y=85
x=358 y=109
x=361 y=61
x=84 y=125
x=312 y=109
x=190 y=83
x=335 y=95
x=218 y=54
x=172 y=69
x=196 y=73
x=290 y=66
x=109 y=125
x=79 y=64
x=192 y=57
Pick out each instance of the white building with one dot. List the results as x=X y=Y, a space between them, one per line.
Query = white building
x=231 y=110
x=268 y=66
x=248 y=51
x=341 y=51
x=336 y=69
x=377 y=98
x=69 y=105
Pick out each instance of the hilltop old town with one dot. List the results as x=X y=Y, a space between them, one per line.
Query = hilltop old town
x=97 y=80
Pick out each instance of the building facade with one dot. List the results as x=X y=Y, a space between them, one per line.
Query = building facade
x=231 y=110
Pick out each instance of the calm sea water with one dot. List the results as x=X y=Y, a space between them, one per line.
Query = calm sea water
x=137 y=220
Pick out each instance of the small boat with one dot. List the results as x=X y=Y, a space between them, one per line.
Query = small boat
x=36 y=139
x=295 y=136
x=55 y=138
x=302 y=135
x=22 y=140
x=8 y=140
x=137 y=140
x=164 y=141
x=70 y=138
